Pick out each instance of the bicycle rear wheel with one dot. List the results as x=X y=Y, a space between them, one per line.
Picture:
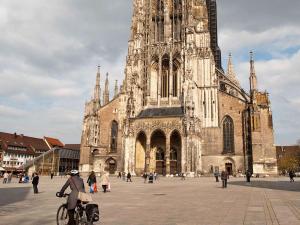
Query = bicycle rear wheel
x=62 y=217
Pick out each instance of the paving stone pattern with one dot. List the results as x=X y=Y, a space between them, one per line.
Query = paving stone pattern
x=169 y=201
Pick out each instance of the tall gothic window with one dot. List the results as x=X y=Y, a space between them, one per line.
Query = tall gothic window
x=177 y=19
x=160 y=21
x=228 y=135
x=165 y=79
x=114 y=136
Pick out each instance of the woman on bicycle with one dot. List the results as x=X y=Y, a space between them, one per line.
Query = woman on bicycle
x=76 y=184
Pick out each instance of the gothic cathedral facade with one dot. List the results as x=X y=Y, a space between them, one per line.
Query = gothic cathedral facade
x=177 y=110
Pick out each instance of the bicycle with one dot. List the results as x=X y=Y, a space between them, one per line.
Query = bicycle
x=81 y=215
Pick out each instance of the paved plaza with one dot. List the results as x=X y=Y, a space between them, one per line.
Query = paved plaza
x=170 y=201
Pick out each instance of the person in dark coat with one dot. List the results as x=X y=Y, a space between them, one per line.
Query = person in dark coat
x=291 y=175
x=76 y=185
x=92 y=181
x=35 y=182
x=248 y=175
x=145 y=176
x=224 y=177
x=129 y=177
x=52 y=175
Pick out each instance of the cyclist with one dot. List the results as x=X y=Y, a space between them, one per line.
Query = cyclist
x=76 y=184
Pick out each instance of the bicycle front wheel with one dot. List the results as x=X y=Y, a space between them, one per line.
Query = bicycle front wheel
x=62 y=217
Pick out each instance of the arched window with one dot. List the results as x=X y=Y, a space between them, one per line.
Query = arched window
x=114 y=136
x=228 y=135
x=160 y=155
x=177 y=19
x=165 y=78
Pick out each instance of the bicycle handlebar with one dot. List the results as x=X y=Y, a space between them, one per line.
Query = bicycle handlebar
x=58 y=195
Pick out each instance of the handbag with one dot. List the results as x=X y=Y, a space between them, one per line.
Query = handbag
x=95 y=187
x=82 y=196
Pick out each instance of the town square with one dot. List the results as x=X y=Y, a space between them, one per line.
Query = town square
x=149 y=112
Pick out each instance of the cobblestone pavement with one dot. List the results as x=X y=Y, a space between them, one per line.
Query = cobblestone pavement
x=169 y=201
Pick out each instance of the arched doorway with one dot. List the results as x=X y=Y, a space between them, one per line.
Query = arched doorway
x=140 y=153
x=158 y=149
x=111 y=165
x=175 y=153
x=230 y=166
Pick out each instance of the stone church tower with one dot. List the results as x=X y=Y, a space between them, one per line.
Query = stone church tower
x=177 y=110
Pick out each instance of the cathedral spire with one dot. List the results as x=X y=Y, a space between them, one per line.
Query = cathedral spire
x=230 y=70
x=116 y=89
x=97 y=89
x=106 y=91
x=252 y=78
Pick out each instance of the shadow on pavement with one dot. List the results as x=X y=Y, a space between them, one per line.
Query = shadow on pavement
x=276 y=185
x=13 y=195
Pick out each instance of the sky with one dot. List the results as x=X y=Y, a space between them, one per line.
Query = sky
x=49 y=52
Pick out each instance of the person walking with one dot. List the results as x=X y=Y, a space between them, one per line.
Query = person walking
x=224 y=177
x=155 y=175
x=216 y=174
x=92 y=181
x=35 y=182
x=291 y=175
x=128 y=177
x=151 y=178
x=9 y=178
x=145 y=176
x=51 y=175
x=5 y=177
x=248 y=175
x=104 y=182
x=120 y=175
x=76 y=185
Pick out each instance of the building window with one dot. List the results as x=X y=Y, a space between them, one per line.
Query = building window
x=160 y=155
x=175 y=77
x=228 y=135
x=160 y=21
x=114 y=136
x=173 y=154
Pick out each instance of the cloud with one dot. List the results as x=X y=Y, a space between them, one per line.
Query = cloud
x=50 y=51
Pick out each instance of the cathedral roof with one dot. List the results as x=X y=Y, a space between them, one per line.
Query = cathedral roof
x=162 y=112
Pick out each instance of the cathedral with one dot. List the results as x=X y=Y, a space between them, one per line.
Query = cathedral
x=177 y=110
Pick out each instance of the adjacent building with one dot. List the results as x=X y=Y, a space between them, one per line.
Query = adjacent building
x=177 y=109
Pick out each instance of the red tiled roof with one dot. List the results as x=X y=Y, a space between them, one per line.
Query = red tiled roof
x=30 y=143
x=54 y=142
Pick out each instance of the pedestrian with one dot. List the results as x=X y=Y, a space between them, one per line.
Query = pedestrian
x=145 y=176
x=248 y=175
x=35 y=182
x=128 y=177
x=52 y=175
x=291 y=175
x=104 y=181
x=183 y=176
x=92 y=181
x=120 y=175
x=9 y=178
x=224 y=177
x=151 y=178
x=216 y=174
x=155 y=175
x=5 y=177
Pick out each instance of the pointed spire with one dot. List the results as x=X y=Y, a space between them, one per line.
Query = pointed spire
x=97 y=89
x=230 y=70
x=116 y=88
x=106 y=91
x=252 y=78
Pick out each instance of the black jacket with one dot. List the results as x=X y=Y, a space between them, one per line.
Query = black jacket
x=35 y=180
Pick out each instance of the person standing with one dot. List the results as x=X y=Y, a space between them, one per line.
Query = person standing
x=291 y=175
x=119 y=175
x=145 y=176
x=248 y=175
x=5 y=177
x=92 y=182
x=52 y=175
x=76 y=185
x=129 y=177
x=9 y=178
x=35 y=182
x=216 y=174
x=104 y=182
x=224 y=177
x=155 y=175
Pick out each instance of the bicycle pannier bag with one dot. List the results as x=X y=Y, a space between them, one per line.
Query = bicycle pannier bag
x=92 y=212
